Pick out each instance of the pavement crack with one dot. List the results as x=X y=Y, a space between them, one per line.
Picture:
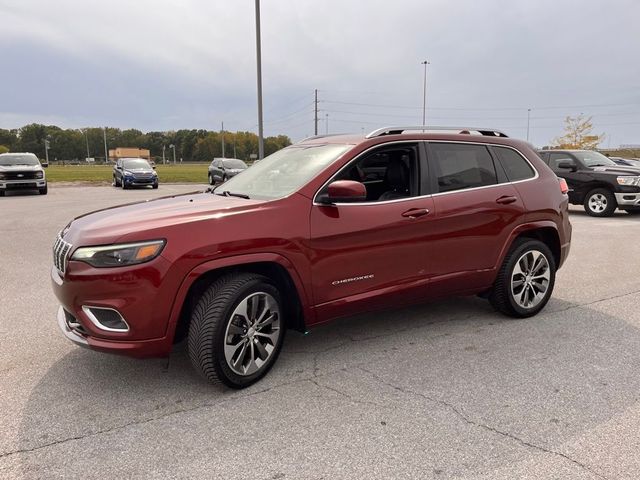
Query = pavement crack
x=346 y=395
x=488 y=428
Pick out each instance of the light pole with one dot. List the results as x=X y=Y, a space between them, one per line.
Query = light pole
x=173 y=147
x=528 y=120
x=326 y=129
x=259 y=73
x=424 y=93
x=222 y=134
x=106 y=152
x=163 y=160
x=46 y=150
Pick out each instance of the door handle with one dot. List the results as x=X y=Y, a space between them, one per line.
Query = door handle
x=506 y=199
x=415 y=212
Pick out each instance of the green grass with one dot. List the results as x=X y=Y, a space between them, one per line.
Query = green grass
x=187 y=173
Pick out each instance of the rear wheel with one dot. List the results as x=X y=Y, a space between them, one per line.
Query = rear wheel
x=43 y=191
x=237 y=330
x=525 y=281
x=600 y=203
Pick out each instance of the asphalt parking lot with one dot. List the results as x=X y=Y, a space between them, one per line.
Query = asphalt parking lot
x=445 y=390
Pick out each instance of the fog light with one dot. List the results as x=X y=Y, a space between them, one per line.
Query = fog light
x=106 y=319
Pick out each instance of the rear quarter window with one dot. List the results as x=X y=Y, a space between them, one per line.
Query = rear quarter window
x=515 y=165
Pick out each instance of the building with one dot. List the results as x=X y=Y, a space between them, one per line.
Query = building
x=129 y=152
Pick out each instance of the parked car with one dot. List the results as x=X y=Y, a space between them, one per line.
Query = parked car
x=596 y=182
x=21 y=171
x=627 y=162
x=222 y=169
x=134 y=172
x=326 y=228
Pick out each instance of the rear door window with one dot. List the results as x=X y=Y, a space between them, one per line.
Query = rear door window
x=515 y=165
x=459 y=166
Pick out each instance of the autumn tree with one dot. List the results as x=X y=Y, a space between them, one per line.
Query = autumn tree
x=577 y=134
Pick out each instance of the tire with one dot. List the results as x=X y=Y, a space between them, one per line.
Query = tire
x=1 y=193
x=221 y=356
x=210 y=180
x=600 y=202
x=633 y=211
x=155 y=186
x=123 y=184
x=507 y=297
x=115 y=182
x=43 y=191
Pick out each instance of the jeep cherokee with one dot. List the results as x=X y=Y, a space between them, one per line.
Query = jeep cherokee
x=326 y=228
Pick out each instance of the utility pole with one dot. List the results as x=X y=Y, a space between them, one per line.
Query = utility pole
x=259 y=72
x=222 y=133
x=326 y=124
x=316 y=113
x=528 y=120
x=163 y=160
x=46 y=150
x=106 y=152
x=235 y=155
x=173 y=147
x=424 y=94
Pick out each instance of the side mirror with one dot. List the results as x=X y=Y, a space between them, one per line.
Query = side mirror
x=118 y=167
x=567 y=165
x=44 y=164
x=344 y=191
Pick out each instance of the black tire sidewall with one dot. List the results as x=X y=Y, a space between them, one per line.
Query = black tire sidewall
x=224 y=371
x=611 y=203
x=511 y=262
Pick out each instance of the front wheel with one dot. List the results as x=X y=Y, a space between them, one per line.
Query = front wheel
x=600 y=202
x=123 y=184
x=211 y=182
x=155 y=186
x=44 y=190
x=525 y=281
x=237 y=330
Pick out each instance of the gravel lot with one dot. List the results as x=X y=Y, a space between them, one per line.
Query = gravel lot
x=445 y=390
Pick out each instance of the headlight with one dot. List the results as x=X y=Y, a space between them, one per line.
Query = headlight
x=119 y=255
x=629 y=180
x=3 y=176
x=39 y=174
x=127 y=173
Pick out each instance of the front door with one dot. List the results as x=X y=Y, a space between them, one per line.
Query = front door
x=370 y=253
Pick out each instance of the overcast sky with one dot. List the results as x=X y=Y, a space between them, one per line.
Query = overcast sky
x=172 y=64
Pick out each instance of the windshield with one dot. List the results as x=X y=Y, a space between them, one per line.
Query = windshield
x=7 y=160
x=594 y=159
x=135 y=164
x=234 y=163
x=283 y=172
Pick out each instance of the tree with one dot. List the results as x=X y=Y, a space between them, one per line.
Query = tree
x=578 y=134
x=3 y=149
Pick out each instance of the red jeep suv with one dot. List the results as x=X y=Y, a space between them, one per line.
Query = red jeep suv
x=326 y=228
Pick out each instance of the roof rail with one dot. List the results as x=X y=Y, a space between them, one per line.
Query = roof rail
x=490 y=132
x=313 y=137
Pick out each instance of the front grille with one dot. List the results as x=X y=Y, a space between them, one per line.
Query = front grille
x=61 y=251
x=21 y=175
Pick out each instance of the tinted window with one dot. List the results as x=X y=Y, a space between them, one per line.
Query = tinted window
x=514 y=164
x=234 y=163
x=556 y=158
x=137 y=163
x=8 y=159
x=460 y=166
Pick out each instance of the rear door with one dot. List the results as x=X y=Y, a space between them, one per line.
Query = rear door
x=476 y=209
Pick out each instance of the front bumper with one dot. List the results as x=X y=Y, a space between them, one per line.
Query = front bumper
x=139 y=182
x=628 y=199
x=30 y=184
x=142 y=294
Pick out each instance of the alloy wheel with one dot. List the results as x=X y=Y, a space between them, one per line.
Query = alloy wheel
x=252 y=334
x=530 y=279
x=598 y=203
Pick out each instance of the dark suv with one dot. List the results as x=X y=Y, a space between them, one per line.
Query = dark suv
x=326 y=228
x=596 y=182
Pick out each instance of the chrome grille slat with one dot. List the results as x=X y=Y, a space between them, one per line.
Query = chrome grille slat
x=61 y=251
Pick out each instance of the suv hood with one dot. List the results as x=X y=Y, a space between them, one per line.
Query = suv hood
x=115 y=224
x=617 y=169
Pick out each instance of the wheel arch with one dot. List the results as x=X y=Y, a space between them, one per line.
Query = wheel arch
x=546 y=232
x=272 y=266
x=589 y=187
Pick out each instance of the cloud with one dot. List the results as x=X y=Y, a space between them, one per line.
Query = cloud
x=191 y=63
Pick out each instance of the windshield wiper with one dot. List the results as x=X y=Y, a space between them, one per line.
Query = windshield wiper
x=227 y=193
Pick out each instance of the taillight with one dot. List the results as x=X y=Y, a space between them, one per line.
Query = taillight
x=564 y=188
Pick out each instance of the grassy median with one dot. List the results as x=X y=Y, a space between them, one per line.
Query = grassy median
x=186 y=173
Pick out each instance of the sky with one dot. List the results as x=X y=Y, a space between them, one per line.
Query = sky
x=159 y=65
